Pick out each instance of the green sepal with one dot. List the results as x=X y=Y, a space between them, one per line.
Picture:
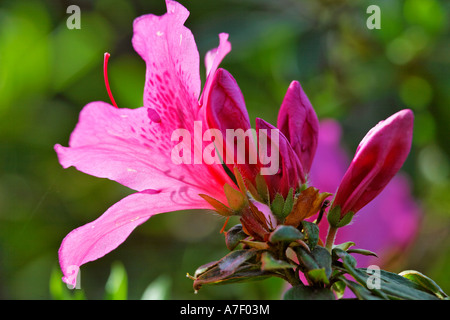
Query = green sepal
x=333 y=216
x=346 y=219
x=277 y=206
x=288 y=204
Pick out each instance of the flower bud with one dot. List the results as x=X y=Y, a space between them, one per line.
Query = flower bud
x=379 y=156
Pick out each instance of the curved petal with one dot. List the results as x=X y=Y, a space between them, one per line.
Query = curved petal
x=99 y=237
x=126 y=146
x=212 y=61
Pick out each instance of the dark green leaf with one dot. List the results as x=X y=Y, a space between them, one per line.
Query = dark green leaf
x=308 y=293
x=312 y=233
x=363 y=252
x=323 y=259
x=285 y=233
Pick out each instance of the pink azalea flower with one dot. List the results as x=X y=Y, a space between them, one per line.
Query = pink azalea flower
x=133 y=146
x=387 y=225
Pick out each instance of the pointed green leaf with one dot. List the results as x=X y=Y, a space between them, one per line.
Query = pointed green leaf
x=363 y=252
x=323 y=259
x=344 y=246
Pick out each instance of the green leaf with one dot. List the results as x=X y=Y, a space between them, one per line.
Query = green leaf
x=323 y=259
x=270 y=263
x=344 y=246
x=364 y=252
x=312 y=233
x=233 y=236
x=339 y=288
x=308 y=293
x=318 y=276
x=285 y=233
x=116 y=287
x=425 y=282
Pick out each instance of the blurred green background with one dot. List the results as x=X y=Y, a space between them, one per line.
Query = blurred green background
x=355 y=75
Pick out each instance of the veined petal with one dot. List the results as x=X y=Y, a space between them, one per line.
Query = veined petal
x=378 y=158
x=172 y=84
x=99 y=237
x=126 y=146
x=299 y=123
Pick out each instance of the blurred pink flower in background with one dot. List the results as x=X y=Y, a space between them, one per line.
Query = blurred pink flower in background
x=387 y=225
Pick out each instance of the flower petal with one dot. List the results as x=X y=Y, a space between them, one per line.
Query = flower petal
x=299 y=123
x=99 y=237
x=212 y=61
x=126 y=146
x=378 y=158
x=172 y=84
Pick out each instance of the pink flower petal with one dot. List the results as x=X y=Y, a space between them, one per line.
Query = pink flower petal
x=299 y=123
x=172 y=84
x=99 y=237
x=126 y=146
x=212 y=61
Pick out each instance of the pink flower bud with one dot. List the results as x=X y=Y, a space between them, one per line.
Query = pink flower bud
x=290 y=172
x=379 y=156
x=299 y=123
x=226 y=111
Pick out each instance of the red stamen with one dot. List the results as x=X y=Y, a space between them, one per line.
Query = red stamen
x=223 y=228
x=105 y=75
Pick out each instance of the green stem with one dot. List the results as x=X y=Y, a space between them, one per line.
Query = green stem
x=330 y=238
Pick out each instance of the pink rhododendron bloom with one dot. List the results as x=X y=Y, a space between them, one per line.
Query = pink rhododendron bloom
x=387 y=225
x=133 y=146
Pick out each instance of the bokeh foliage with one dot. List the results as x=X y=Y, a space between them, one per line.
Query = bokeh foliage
x=355 y=75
